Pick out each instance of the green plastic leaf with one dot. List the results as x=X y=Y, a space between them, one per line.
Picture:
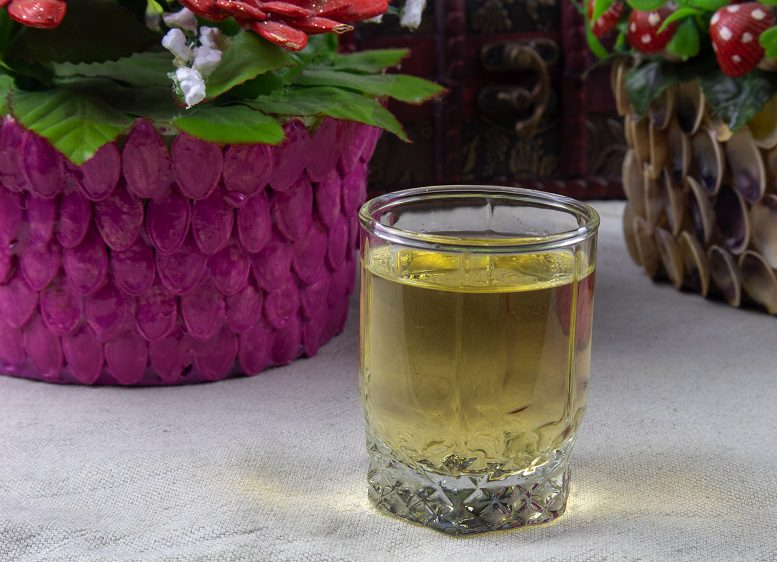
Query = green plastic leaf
x=6 y=85
x=600 y=6
x=230 y=124
x=408 y=89
x=738 y=100
x=646 y=5
x=686 y=41
x=321 y=49
x=768 y=41
x=594 y=44
x=331 y=102
x=247 y=57
x=140 y=70
x=768 y=2
x=371 y=62
x=93 y=30
x=679 y=14
x=645 y=83
x=707 y=5
x=74 y=121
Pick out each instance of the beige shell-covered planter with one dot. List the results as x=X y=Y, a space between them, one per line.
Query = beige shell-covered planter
x=702 y=199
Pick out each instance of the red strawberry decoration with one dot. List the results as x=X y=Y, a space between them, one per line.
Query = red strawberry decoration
x=643 y=34
x=607 y=20
x=735 y=31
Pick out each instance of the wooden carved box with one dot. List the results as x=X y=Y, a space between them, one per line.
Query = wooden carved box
x=521 y=108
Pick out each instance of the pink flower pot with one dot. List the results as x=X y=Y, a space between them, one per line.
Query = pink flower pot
x=149 y=266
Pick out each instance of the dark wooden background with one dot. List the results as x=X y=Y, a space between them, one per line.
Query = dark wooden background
x=578 y=145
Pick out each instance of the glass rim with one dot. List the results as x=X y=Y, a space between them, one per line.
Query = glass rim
x=562 y=239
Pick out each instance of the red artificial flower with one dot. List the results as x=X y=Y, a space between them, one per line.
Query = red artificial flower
x=288 y=23
x=43 y=14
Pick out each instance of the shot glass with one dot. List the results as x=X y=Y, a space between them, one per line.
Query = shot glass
x=476 y=315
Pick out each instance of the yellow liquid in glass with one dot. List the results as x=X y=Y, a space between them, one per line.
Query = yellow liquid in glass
x=474 y=363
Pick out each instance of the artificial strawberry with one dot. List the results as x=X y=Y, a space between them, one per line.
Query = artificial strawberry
x=644 y=34
x=42 y=14
x=604 y=24
x=735 y=31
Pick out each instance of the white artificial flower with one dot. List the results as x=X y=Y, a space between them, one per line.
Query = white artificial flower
x=182 y=19
x=206 y=59
x=411 y=13
x=211 y=37
x=192 y=85
x=175 y=42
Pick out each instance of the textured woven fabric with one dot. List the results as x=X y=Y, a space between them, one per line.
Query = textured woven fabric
x=676 y=458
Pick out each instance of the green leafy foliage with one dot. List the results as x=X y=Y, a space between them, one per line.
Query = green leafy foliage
x=73 y=120
x=679 y=14
x=370 y=62
x=600 y=6
x=331 y=102
x=92 y=31
x=706 y=5
x=247 y=57
x=648 y=81
x=768 y=41
x=232 y=124
x=6 y=83
x=737 y=100
x=139 y=70
x=408 y=89
x=646 y=5
x=686 y=41
x=593 y=42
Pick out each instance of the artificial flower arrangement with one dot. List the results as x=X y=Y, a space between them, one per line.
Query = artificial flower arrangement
x=179 y=184
x=729 y=46
x=696 y=82
x=228 y=71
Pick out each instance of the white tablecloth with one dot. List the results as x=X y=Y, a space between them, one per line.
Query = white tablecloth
x=677 y=458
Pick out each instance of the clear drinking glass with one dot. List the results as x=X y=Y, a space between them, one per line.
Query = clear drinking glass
x=476 y=313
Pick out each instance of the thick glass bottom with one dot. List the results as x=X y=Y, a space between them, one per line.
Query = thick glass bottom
x=469 y=503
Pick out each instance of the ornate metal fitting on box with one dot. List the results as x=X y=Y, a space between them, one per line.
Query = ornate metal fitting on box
x=518 y=105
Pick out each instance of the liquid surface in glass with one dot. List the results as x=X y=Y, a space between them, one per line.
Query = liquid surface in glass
x=475 y=363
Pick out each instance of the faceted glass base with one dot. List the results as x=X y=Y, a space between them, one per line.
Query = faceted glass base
x=468 y=503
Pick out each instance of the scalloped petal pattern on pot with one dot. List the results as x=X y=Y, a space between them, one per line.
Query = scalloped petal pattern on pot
x=119 y=219
x=157 y=313
x=216 y=356
x=107 y=312
x=212 y=221
x=61 y=307
x=43 y=166
x=84 y=355
x=43 y=348
x=39 y=264
x=99 y=176
x=244 y=309
x=229 y=269
x=80 y=298
x=254 y=224
x=324 y=151
x=247 y=168
x=203 y=311
x=127 y=356
x=41 y=217
x=198 y=166
x=327 y=198
x=17 y=301
x=293 y=210
x=75 y=215
x=145 y=162
x=11 y=169
x=134 y=269
x=735 y=32
x=167 y=222
x=289 y=157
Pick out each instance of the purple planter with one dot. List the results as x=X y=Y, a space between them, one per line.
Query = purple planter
x=157 y=266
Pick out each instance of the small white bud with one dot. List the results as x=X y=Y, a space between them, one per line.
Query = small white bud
x=182 y=19
x=412 y=13
x=175 y=42
x=192 y=85
x=206 y=59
